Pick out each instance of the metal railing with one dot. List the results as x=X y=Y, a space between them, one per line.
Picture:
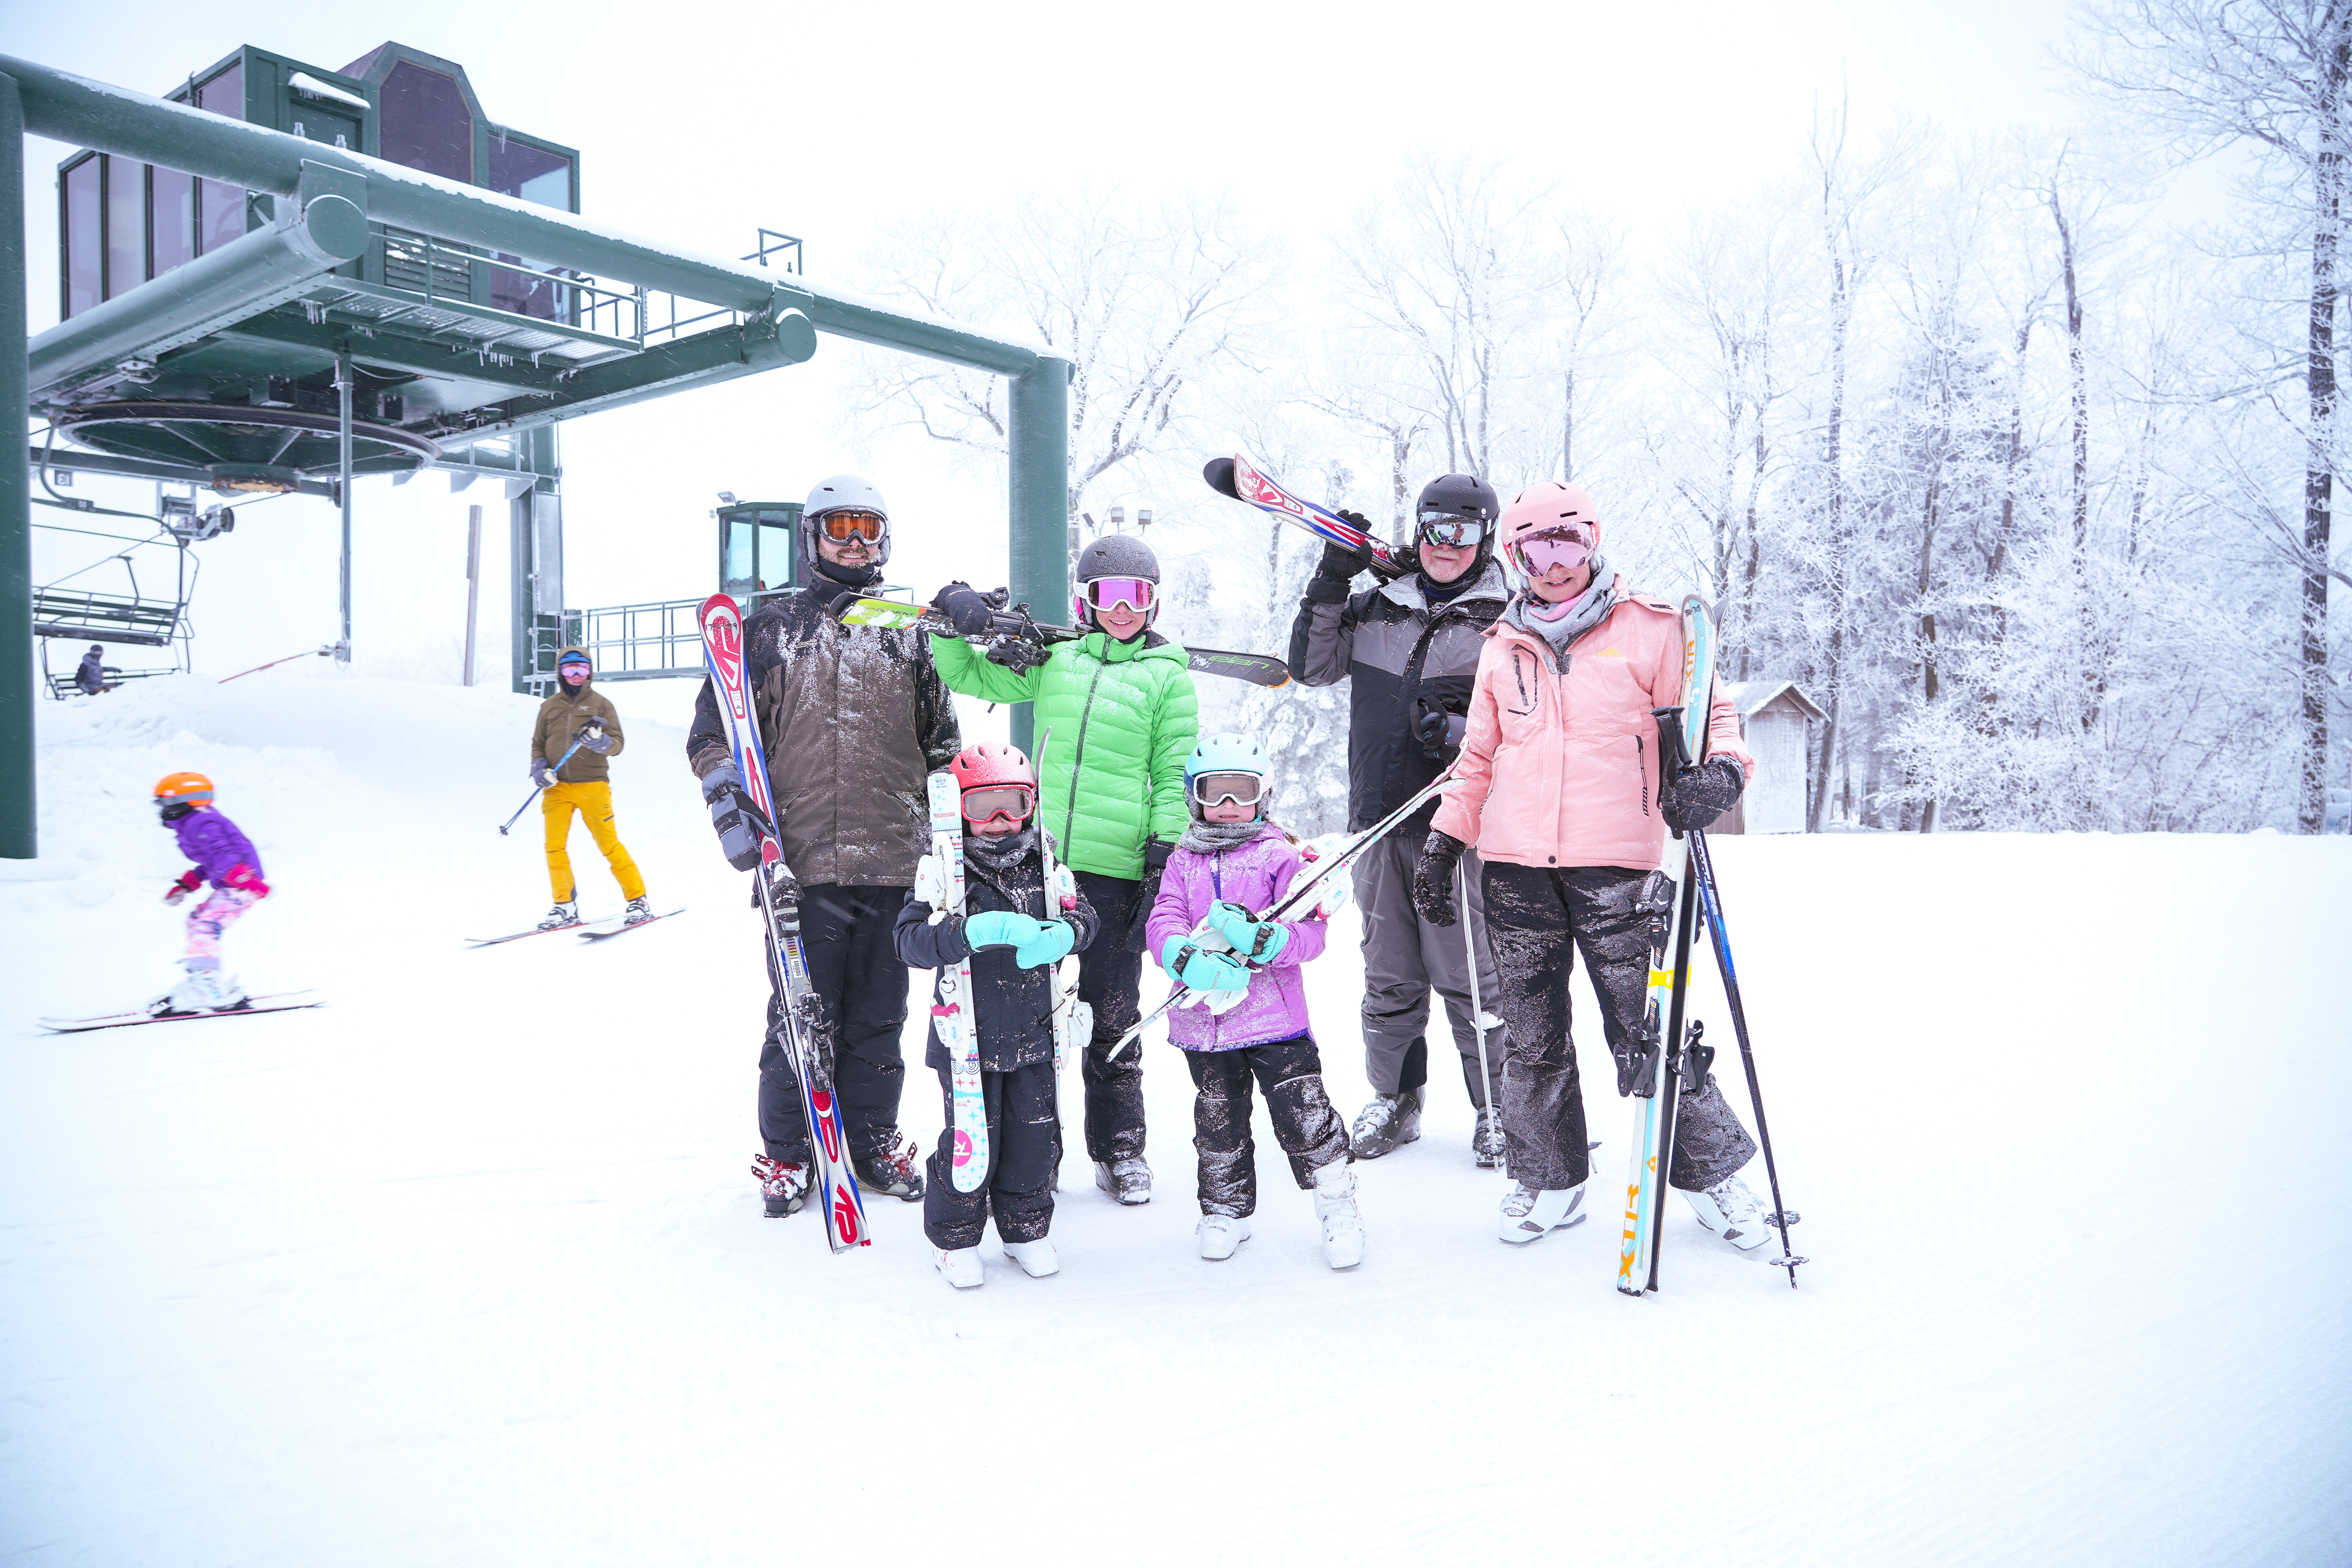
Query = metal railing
x=660 y=639
x=443 y=274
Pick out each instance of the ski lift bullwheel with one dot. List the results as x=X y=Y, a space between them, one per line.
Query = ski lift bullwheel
x=244 y=449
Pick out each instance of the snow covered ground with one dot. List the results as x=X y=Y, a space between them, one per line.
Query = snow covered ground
x=466 y=1266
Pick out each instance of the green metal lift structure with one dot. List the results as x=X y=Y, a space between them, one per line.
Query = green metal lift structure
x=283 y=277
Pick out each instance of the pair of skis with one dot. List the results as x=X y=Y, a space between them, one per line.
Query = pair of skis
x=721 y=620
x=1019 y=642
x=592 y=930
x=252 y=1006
x=1305 y=889
x=1673 y=1060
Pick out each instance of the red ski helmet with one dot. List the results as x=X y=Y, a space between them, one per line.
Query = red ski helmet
x=1000 y=776
x=1547 y=504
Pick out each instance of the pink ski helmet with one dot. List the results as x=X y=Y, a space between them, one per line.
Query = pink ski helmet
x=1545 y=505
x=994 y=779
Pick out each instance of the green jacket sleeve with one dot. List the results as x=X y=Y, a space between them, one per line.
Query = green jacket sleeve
x=1175 y=731
x=965 y=669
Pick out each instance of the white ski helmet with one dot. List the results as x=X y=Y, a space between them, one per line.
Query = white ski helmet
x=1230 y=752
x=844 y=492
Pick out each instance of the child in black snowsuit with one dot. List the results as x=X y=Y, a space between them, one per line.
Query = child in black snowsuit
x=1015 y=930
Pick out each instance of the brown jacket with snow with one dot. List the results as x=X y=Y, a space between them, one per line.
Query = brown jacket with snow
x=560 y=718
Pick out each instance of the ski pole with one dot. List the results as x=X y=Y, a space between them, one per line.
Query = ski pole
x=1702 y=870
x=1478 y=1012
x=536 y=788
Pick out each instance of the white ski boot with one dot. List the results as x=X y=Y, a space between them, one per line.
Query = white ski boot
x=1037 y=1258
x=1221 y=1234
x=636 y=912
x=1129 y=1181
x=1528 y=1214
x=1731 y=1211
x=561 y=915
x=1335 y=1205
x=200 y=990
x=961 y=1267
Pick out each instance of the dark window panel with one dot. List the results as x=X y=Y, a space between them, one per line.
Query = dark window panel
x=533 y=173
x=126 y=226
x=421 y=123
x=222 y=214
x=223 y=92
x=85 y=238
x=526 y=295
x=171 y=220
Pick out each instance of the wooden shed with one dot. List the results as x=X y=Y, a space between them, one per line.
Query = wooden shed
x=1774 y=716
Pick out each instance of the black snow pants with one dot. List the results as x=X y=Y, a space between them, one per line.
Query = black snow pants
x=1110 y=974
x=1534 y=914
x=861 y=988
x=1024 y=1145
x=1305 y=1125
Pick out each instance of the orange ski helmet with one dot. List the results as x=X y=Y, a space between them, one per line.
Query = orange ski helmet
x=195 y=789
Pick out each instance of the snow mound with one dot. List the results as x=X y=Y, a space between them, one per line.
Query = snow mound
x=467 y=1266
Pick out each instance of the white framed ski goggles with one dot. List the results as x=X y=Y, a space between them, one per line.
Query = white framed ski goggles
x=1213 y=789
x=849 y=523
x=1138 y=594
x=1451 y=529
x=1012 y=801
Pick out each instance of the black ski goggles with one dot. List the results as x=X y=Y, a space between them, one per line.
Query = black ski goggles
x=1451 y=529
x=1213 y=789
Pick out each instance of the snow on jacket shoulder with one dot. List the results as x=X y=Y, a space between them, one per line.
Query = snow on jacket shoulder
x=1561 y=754
x=1254 y=876
x=1123 y=721
x=216 y=843
x=855 y=720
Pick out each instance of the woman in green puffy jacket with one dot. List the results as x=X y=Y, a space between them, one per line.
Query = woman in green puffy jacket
x=1118 y=718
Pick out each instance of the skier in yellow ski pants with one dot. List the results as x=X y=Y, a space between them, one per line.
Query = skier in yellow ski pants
x=593 y=801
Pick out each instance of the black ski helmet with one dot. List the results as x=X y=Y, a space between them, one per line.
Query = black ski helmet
x=1463 y=495
x=1114 y=555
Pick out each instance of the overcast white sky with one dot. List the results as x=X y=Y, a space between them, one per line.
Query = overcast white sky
x=703 y=122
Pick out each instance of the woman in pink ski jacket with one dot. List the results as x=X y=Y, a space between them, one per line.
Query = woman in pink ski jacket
x=1564 y=802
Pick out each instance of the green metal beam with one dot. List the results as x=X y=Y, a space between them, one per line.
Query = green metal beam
x=82 y=112
x=73 y=461
x=1037 y=440
x=20 y=838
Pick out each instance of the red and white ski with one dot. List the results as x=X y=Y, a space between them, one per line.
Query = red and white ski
x=721 y=620
x=598 y=930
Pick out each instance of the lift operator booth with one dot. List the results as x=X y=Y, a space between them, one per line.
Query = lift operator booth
x=281 y=276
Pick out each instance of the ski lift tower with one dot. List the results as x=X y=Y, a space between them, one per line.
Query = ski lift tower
x=281 y=276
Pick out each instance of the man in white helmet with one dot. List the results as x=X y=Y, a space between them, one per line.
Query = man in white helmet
x=854 y=719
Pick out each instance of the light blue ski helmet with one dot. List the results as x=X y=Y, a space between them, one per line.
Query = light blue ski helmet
x=1227 y=753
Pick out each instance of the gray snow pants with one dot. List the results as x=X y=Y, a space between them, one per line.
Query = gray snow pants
x=1538 y=918
x=1405 y=958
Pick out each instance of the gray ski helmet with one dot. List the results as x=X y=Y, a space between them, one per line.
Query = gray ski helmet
x=1114 y=555
x=844 y=492
x=1464 y=495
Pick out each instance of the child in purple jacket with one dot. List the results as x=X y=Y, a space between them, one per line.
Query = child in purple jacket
x=226 y=860
x=1231 y=863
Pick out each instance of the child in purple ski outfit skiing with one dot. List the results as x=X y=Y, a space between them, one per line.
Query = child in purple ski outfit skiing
x=225 y=858
x=1230 y=863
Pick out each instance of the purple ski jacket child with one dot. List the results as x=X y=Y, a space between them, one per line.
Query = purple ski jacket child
x=1254 y=875
x=218 y=847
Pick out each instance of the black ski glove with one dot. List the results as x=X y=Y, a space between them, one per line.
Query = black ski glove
x=1433 y=880
x=1147 y=892
x=966 y=608
x=592 y=735
x=737 y=819
x=541 y=773
x=1702 y=795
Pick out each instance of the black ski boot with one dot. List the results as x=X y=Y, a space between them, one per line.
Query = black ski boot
x=1389 y=1120
x=783 y=1188
x=891 y=1174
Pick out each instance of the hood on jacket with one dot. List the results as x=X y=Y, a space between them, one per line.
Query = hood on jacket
x=564 y=687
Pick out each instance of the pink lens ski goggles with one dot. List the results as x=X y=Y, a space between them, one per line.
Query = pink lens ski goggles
x=1540 y=553
x=1138 y=594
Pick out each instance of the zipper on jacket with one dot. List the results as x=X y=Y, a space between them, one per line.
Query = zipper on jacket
x=1641 y=767
x=1078 y=752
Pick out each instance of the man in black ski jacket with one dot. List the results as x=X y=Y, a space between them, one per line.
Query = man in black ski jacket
x=854 y=719
x=1411 y=649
